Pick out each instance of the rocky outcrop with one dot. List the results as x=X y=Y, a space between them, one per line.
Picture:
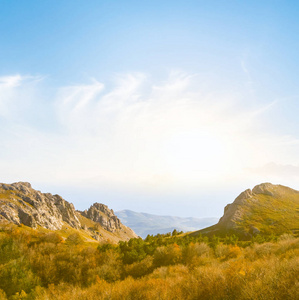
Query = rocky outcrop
x=257 y=206
x=264 y=188
x=267 y=210
x=234 y=212
x=101 y=214
x=21 y=204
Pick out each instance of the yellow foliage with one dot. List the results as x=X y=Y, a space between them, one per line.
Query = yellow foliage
x=2 y=295
x=46 y=269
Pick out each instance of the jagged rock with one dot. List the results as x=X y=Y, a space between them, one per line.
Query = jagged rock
x=264 y=188
x=67 y=211
x=27 y=219
x=21 y=204
x=96 y=237
x=101 y=214
x=233 y=212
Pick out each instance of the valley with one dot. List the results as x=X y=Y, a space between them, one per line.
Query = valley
x=48 y=250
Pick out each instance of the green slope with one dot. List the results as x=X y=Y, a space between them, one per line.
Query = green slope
x=267 y=210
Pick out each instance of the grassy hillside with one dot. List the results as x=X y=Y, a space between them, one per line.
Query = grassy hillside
x=275 y=214
x=45 y=266
x=267 y=210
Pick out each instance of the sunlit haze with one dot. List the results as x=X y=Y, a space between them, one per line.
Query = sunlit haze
x=169 y=108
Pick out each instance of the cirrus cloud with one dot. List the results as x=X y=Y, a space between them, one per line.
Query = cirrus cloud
x=136 y=132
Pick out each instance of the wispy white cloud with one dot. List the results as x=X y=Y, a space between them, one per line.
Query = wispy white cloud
x=137 y=132
x=10 y=81
x=16 y=93
x=13 y=81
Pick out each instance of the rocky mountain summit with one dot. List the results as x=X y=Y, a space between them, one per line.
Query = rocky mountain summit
x=266 y=209
x=21 y=204
x=101 y=214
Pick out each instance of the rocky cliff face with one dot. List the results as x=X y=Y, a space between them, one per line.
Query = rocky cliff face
x=21 y=204
x=101 y=214
x=233 y=212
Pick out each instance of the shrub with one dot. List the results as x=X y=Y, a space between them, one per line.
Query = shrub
x=2 y=295
x=52 y=237
x=167 y=255
x=139 y=269
x=74 y=239
x=193 y=254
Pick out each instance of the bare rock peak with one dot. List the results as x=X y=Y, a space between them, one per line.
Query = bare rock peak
x=21 y=204
x=264 y=188
x=243 y=196
x=21 y=183
x=31 y=208
x=100 y=213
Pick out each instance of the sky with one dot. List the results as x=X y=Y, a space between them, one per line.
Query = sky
x=164 y=107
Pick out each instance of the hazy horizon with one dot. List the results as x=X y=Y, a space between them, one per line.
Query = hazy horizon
x=169 y=108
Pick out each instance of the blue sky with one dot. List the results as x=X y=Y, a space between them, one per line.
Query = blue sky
x=149 y=105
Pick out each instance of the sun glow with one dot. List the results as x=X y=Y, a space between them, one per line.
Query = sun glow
x=138 y=135
x=195 y=155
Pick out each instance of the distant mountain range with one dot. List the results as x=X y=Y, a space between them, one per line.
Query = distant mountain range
x=144 y=223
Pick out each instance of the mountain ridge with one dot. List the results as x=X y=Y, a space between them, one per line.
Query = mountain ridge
x=266 y=209
x=144 y=223
x=20 y=204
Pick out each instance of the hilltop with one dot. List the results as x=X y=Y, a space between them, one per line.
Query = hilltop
x=267 y=209
x=20 y=204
